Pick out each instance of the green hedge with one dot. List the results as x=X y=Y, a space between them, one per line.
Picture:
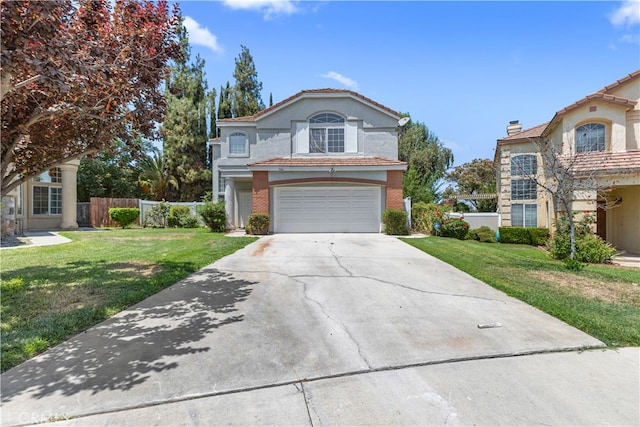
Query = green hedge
x=124 y=217
x=524 y=235
x=482 y=234
x=395 y=222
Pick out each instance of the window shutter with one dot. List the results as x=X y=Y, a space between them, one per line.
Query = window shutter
x=351 y=137
x=302 y=137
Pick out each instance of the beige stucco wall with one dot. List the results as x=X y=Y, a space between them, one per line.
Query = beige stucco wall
x=623 y=222
x=504 y=185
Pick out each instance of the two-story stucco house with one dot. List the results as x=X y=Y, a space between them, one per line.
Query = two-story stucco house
x=599 y=137
x=323 y=160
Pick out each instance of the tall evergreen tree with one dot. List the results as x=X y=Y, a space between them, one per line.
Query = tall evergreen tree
x=246 y=98
x=185 y=127
x=213 y=132
x=270 y=99
x=224 y=103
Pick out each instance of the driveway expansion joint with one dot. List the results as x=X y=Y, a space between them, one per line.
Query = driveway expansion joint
x=300 y=381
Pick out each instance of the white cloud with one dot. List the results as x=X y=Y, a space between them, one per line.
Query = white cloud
x=346 y=81
x=627 y=14
x=630 y=38
x=201 y=35
x=270 y=8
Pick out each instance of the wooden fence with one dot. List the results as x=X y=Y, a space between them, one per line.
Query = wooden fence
x=99 y=210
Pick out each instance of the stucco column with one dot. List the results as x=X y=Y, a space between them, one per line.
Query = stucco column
x=69 y=172
x=229 y=201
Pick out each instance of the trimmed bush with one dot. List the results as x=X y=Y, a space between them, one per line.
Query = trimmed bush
x=482 y=234
x=180 y=216
x=214 y=216
x=454 y=227
x=539 y=236
x=518 y=235
x=395 y=222
x=124 y=217
x=258 y=224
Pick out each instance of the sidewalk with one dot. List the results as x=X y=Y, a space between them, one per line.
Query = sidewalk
x=33 y=238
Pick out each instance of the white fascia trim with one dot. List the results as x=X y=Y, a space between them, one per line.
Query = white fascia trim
x=236 y=124
x=325 y=168
x=330 y=95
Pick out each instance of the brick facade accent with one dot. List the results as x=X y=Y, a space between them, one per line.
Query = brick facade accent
x=394 y=190
x=261 y=192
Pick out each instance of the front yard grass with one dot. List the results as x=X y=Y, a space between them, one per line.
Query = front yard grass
x=51 y=293
x=601 y=300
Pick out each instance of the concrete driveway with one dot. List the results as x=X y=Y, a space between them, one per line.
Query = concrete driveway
x=327 y=329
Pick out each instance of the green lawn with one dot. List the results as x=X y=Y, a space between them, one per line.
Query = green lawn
x=51 y=293
x=601 y=300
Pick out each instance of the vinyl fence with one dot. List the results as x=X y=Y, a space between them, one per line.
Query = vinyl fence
x=478 y=219
x=146 y=205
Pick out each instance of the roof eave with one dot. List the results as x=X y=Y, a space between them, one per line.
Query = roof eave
x=344 y=168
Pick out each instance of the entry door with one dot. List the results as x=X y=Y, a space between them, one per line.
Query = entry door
x=245 y=205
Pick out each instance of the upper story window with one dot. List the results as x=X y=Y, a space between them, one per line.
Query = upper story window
x=326 y=133
x=524 y=164
x=238 y=144
x=590 y=137
x=52 y=175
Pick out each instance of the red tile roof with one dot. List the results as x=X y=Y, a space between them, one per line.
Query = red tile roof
x=328 y=162
x=606 y=163
x=301 y=94
x=533 y=132
x=600 y=95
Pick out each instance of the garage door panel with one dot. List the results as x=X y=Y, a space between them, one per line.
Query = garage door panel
x=327 y=209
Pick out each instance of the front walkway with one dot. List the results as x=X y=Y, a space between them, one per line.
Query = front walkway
x=627 y=260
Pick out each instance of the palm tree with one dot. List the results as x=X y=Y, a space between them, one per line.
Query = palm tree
x=154 y=179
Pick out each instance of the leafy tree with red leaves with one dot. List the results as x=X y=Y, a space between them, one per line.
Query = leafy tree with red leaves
x=77 y=75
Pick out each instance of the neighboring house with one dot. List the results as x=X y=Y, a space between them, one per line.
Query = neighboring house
x=323 y=160
x=600 y=136
x=45 y=202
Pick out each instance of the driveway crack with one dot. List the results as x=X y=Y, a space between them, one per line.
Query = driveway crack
x=305 y=292
x=335 y=257
x=306 y=403
x=351 y=276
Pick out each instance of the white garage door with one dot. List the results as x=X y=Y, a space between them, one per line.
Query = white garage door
x=327 y=209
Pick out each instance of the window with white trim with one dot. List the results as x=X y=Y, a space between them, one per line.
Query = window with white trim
x=238 y=144
x=524 y=164
x=523 y=187
x=326 y=133
x=590 y=137
x=47 y=200
x=524 y=215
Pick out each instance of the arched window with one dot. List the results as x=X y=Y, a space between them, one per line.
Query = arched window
x=590 y=137
x=326 y=133
x=238 y=144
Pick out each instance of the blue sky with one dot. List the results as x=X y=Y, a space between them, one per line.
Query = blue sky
x=465 y=69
